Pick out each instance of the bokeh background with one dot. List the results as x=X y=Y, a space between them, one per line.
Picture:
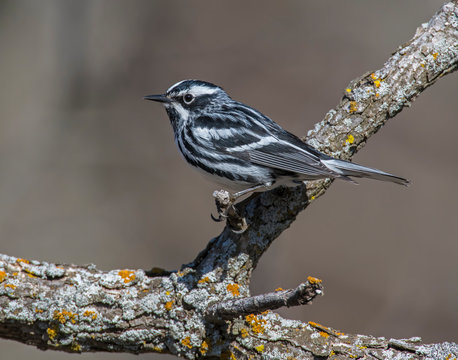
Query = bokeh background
x=90 y=172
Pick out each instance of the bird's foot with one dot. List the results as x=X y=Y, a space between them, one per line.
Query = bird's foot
x=223 y=202
x=227 y=211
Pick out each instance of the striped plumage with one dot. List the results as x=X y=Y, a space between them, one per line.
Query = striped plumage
x=240 y=148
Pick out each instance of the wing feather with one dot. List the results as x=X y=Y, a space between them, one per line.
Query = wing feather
x=297 y=161
x=269 y=145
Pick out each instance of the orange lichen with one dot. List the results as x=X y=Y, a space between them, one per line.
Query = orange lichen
x=422 y=65
x=206 y=279
x=90 y=313
x=353 y=107
x=25 y=261
x=31 y=275
x=204 y=347
x=279 y=289
x=244 y=333
x=11 y=286
x=75 y=347
x=313 y=280
x=257 y=325
x=259 y=348
x=323 y=334
x=377 y=94
x=348 y=90
x=373 y=76
x=168 y=305
x=2 y=276
x=127 y=275
x=37 y=310
x=233 y=289
x=186 y=342
x=350 y=139
x=227 y=355
x=64 y=315
x=312 y=198
x=377 y=83
x=435 y=55
x=52 y=333
x=167 y=293
x=325 y=329
x=15 y=274
x=316 y=325
x=158 y=349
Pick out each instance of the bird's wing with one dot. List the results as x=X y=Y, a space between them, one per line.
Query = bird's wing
x=286 y=156
x=279 y=149
x=247 y=134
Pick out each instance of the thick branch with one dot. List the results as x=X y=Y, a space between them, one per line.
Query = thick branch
x=74 y=308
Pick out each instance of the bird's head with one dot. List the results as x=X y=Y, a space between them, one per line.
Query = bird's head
x=188 y=99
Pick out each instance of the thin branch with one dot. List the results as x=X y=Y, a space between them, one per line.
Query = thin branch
x=301 y=295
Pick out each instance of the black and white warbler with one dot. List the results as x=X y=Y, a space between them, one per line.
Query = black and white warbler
x=242 y=149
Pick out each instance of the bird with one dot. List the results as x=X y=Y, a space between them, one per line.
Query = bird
x=242 y=149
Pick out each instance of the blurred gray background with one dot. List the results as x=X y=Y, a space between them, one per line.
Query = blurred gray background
x=90 y=172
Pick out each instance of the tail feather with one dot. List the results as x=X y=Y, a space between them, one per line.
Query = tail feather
x=346 y=168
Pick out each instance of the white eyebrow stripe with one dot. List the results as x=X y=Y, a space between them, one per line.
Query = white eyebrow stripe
x=202 y=90
x=178 y=83
x=197 y=90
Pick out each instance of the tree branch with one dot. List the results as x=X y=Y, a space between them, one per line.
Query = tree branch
x=76 y=308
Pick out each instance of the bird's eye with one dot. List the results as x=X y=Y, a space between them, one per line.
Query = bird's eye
x=188 y=98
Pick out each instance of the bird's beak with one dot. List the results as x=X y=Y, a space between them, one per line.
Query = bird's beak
x=158 y=98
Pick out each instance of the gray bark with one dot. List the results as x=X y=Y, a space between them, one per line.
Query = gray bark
x=205 y=309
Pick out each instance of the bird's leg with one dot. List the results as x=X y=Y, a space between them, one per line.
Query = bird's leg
x=236 y=195
x=226 y=209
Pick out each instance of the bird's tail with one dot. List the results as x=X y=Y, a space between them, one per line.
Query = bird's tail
x=346 y=169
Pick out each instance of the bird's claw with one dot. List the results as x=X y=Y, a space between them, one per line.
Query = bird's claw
x=221 y=217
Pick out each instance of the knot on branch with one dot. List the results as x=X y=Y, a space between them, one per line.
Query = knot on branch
x=301 y=295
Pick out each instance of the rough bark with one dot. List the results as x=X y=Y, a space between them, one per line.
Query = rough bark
x=205 y=309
